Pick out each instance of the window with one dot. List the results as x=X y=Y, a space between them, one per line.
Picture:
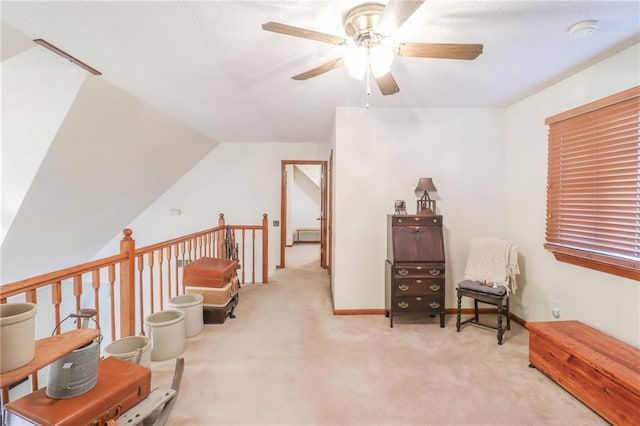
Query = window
x=593 y=185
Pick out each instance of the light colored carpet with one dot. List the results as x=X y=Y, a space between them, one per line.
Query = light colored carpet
x=287 y=360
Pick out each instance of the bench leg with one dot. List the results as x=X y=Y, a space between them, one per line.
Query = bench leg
x=500 y=323
x=458 y=313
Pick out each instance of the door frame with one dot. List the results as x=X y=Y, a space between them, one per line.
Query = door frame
x=323 y=209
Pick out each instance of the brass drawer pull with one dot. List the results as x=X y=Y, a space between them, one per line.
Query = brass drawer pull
x=434 y=305
x=403 y=287
x=403 y=305
x=434 y=271
x=434 y=287
x=403 y=272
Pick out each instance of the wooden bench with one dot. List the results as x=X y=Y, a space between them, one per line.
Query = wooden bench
x=599 y=370
x=307 y=231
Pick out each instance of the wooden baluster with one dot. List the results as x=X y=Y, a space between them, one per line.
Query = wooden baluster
x=243 y=257
x=141 y=290
x=56 y=300
x=216 y=244
x=253 y=256
x=127 y=285
x=169 y=270
x=95 y=281
x=181 y=248
x=32 y=297
x=160 y=261
x=188 y=250
x=151 y=295
x=112 y=282
x=77 y=292
x=265 y=249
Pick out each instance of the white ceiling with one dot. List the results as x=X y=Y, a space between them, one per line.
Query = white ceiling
x=209 y=63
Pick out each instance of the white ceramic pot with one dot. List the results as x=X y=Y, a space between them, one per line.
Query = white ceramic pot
x=134 y=349
x=191 y=305
x=17 y=335
x=167 y=332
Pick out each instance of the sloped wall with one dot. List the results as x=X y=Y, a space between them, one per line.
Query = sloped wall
x=111 y=157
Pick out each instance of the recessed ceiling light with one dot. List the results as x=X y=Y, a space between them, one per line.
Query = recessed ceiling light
x=583 y=28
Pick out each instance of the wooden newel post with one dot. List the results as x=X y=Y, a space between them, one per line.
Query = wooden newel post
x=265 y=249
x=127 y=285
x=220 y=246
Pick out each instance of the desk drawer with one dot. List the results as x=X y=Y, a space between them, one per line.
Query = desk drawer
x=418 y=286
x=417 y=221
x=435 y=270
x=427 y=303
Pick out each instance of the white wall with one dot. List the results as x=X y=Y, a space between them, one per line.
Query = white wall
x=379 y=156
x=241 y=180
x=604 y=301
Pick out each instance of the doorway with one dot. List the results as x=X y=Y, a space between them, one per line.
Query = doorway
x=303 y=206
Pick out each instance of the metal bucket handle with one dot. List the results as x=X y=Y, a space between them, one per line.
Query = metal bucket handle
x=85 y=314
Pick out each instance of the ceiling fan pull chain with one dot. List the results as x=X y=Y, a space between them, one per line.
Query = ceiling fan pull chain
x=368 y=70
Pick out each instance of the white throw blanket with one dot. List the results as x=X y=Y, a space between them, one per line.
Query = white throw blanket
x=494 y=262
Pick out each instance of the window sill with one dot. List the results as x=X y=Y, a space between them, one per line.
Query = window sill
x=580 y=260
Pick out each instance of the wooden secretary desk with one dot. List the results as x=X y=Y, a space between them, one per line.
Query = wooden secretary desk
x=415 y=266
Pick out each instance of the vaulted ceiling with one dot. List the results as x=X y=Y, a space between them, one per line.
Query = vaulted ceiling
x=210 y=65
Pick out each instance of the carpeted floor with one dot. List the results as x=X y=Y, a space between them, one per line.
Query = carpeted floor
x=287 y=360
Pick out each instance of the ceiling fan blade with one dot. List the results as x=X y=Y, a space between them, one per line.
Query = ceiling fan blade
x=387 y=84
x=303 y=33
x=435 y=50
x=319 y=70
x=395 y=14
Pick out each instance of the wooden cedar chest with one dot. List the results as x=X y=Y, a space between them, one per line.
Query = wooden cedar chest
x=601 y=371
x=120 y=386
x=209 y=272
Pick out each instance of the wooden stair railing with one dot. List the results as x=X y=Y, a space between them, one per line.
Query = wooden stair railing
x=139 y=281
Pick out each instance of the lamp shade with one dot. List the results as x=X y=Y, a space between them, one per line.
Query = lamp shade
x=425 y=185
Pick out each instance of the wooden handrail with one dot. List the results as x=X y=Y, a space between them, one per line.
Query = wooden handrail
x=33 y=283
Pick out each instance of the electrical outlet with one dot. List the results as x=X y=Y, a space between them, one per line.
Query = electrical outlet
x=276 y=223
x=555 y=309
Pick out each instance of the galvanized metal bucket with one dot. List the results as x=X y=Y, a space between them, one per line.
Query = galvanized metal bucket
x=77 y=372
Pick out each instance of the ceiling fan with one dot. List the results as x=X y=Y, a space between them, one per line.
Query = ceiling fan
x=368 y=27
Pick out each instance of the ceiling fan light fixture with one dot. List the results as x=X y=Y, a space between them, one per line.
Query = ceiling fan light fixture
x=355 y=59
x=380 y=59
